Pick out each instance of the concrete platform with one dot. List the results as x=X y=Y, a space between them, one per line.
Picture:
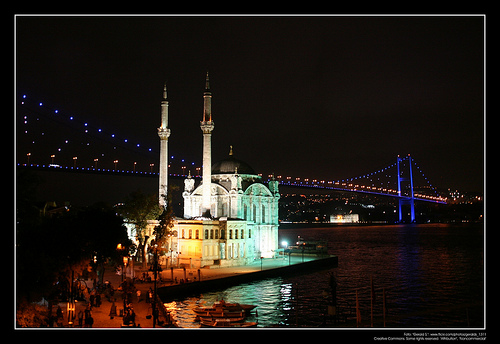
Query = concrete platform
x=213 y=279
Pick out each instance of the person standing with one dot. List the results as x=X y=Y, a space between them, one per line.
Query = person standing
x=59 y=315
x=80 y=318
x=88 y=316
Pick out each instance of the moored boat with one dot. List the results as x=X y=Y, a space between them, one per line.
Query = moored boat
x=222 y=305
x=225 y=323
x=208 y=320
x=220 y=314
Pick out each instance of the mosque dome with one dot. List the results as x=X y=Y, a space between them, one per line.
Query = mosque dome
x=230 y=165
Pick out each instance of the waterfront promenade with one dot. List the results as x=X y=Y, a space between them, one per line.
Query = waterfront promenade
x=169 y=277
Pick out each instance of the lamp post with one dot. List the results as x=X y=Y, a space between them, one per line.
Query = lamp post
x=285 y=248
x=71 y=301
x=120 y=248
x=156 y=268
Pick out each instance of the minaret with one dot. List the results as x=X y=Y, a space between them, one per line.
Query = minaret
x=163 y=133
x=206 y=127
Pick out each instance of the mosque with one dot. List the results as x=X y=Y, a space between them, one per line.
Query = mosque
x=231 y=217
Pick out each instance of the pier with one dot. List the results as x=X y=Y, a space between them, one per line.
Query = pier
x=220 y=278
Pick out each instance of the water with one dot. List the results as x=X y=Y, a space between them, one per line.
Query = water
x=432 y=275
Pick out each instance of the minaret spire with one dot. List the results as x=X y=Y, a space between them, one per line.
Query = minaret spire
x=165 y=91
x=207 y=125
x=207 y=101
x=207 y=83
x=163 y=133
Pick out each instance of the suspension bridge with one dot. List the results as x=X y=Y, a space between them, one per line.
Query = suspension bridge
x=48 y=138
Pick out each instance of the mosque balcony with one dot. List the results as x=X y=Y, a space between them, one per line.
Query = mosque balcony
x=163 y=133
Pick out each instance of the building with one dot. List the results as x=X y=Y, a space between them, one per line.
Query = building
x=231 y=217
x=347 y=218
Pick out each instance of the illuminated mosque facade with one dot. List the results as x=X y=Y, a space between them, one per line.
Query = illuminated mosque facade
x=231 y=217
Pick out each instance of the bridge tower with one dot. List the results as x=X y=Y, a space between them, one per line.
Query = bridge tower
x=163 y=133
x=405 y=197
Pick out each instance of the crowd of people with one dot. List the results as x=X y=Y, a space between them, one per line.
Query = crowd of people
x=92 y=297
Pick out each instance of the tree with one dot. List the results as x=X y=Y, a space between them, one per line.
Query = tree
x=138 y=209
x=53 y=249
x=166 y=221
x=100 y=230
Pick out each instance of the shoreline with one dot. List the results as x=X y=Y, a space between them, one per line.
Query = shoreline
x=221 y=278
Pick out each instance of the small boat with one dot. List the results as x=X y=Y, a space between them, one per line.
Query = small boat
x=225 y=323
x=208 y=320
x=308 y=247
x=224 y=306
x=220 y=314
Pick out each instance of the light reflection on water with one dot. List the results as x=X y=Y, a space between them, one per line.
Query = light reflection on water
x=274 y=303
x=432 y=275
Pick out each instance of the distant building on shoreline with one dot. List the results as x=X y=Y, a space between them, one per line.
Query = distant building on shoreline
x=348 y=218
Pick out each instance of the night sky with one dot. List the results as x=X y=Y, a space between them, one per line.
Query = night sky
x=323 y=97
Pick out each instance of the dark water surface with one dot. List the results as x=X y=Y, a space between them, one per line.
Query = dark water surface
x=433 y=276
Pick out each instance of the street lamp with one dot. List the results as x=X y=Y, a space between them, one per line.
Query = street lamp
x=95 y=163
x=52 y=158
x=155 y=267
x=74 y=161
x=121 y=249
x=28 y=155
x=115 y=162
x=285 y=245
x=71 y=302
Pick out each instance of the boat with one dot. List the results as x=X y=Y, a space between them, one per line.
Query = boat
x=225 y=323
x=220 y=314
x=308 y=247
x=222 y=305
x=210 y=319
